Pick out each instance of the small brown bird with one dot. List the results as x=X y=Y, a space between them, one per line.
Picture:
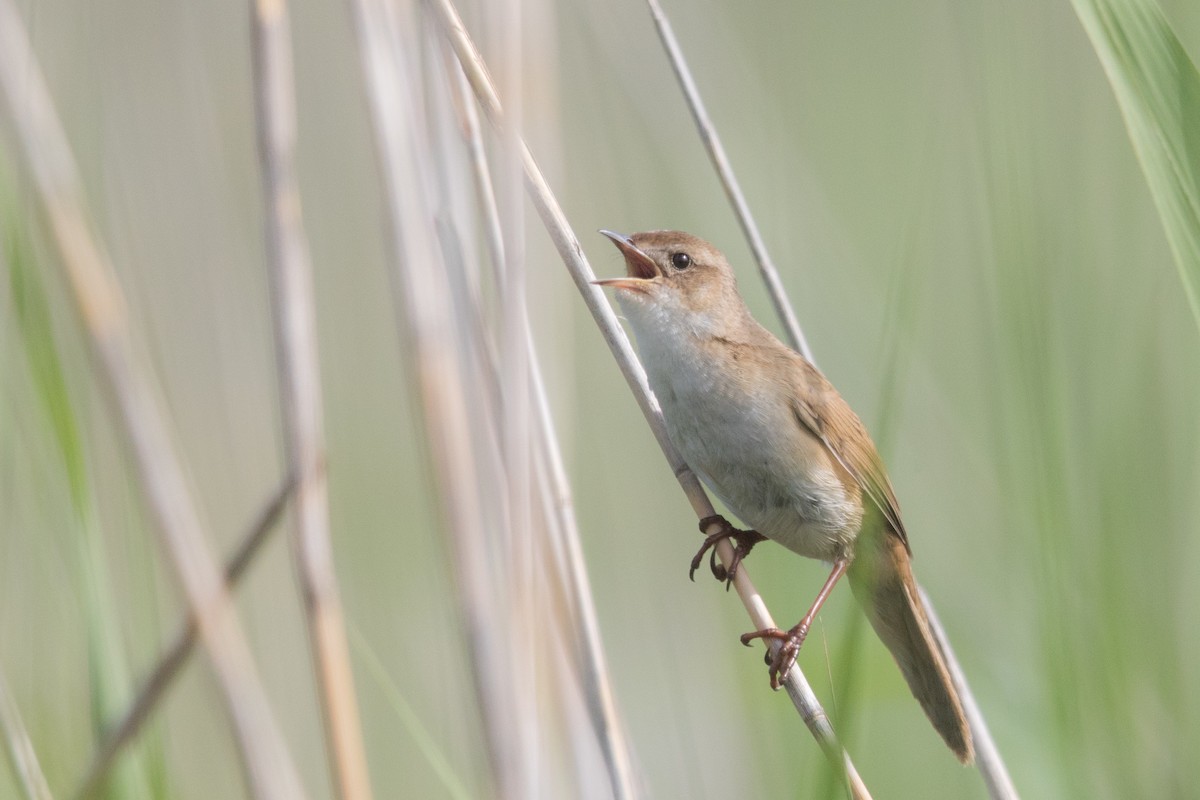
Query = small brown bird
x=769 y=435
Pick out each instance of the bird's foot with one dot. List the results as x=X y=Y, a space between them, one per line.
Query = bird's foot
x=744 y=541
x=783 y=658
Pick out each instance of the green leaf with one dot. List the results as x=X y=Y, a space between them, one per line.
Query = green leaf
x=1158 y=89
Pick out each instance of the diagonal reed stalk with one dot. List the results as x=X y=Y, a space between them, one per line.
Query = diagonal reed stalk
x=141 y=422
x=987 y=756
x=294 y=307
x=571 y=252
x=554 y=485
x=733 y=190
x=171 y=662
x=19 y=748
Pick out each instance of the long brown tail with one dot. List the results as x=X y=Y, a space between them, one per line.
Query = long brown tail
x=882 y=580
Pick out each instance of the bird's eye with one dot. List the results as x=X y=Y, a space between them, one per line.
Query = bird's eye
x=681 y=260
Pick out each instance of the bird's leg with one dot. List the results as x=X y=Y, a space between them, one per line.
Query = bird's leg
x=744 y=541
x=791 y=640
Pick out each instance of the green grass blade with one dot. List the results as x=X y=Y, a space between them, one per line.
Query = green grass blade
x=1158 y=89
x=438 y=761
x=109 y=673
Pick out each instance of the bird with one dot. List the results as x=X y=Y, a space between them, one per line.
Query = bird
x=768 y=434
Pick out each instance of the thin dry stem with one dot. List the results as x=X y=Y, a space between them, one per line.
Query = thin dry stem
x=142 y=423
x=163 y=676
x=294 y=307
x=19 y=747
x=987 y=756
x=733 y=190
x=572 y=255
x=592 y=665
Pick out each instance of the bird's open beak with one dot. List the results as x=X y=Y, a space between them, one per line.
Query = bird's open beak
x=642 y=268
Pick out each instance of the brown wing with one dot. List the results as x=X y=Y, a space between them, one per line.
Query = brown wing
x=819 y=407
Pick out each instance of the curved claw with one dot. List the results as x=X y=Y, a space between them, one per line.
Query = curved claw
x=765 y=633
x=718 y=570
x=710 y=543
x=739 y=552
x=744 y=541
x=783 y=659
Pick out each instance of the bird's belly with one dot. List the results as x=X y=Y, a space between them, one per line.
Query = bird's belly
x=823 y=539
x=814 y=520
x=773 y=475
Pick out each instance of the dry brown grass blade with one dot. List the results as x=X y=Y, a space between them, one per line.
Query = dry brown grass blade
x=161 y=678
x=294 y=311
x=141 y=423
x=572 y=255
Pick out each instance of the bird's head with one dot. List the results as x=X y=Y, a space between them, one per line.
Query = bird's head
x=675 y=280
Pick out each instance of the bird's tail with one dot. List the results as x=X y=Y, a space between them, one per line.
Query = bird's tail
x=882 y=580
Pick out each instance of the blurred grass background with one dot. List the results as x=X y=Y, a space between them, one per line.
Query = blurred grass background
x=971 y=247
